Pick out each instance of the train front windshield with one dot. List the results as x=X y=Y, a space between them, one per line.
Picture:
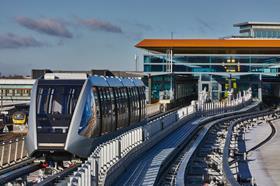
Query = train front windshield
x=19 y=116
x=56 y=102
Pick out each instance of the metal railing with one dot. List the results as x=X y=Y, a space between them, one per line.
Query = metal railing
x=94 y=169
x=152 y=109
x=228 y=175
x=12 y=151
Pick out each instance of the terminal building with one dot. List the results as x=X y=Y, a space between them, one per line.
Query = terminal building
x=178 y=68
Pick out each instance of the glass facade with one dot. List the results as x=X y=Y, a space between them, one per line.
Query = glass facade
x=217 y=73
x=214 y=64
x=261 y=33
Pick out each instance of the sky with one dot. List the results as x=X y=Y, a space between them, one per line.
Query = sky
x=95 y=34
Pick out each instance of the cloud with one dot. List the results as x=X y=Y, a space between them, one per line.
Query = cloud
x=47 y=26
x=204 y=25
x=98 y=25
x=13 y=41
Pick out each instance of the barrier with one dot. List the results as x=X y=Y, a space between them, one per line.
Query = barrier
x=12 y=151
x=152 y=109
x=109 y=153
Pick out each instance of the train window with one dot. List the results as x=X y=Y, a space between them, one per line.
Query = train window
x=134 y=105
x=137 y=106
x=133 y=108
x=55 y=106
x=90 y=123
x=109 y=109
x=124 y=106
x=143 y=100
x=102 y=105
x=113 y=103
x=118 y=107
x=97 y=101
x=43 y=100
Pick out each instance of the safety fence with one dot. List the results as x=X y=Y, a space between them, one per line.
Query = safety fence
x=153 y=109
x=94 y=170
x=12 y=151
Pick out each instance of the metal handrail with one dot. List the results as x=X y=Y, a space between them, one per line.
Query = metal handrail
x=228 y=175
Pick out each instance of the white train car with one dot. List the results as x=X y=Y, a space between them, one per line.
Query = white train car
x=67 y=115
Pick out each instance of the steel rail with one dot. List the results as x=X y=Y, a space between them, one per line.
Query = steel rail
x=51 y=180
x=12 y=175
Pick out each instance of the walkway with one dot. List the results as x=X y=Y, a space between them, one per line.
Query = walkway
x=265 y=161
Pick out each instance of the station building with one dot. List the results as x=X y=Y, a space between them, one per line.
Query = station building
x=177 y=68
x=15 y=91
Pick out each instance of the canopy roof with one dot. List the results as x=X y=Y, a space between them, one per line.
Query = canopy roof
x=212 y=46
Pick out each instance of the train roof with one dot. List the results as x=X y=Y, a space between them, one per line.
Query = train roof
x=98 y=81
x=114 y=82
x=138 y=82
x=127 y=82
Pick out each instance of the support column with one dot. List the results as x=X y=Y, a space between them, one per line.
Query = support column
x=210 y=88
x=260 y=87
x=199 y=88
x=150 y=88
x=171 y=74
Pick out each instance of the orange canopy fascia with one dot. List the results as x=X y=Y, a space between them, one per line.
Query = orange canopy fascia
x=265 y=46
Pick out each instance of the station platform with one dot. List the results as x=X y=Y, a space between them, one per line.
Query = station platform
x=264 y=162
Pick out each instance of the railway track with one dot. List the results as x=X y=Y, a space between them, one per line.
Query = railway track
x=205 y=152
x=34 y=172
x=10 y=136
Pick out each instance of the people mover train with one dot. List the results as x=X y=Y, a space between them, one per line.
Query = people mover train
x=67 y=115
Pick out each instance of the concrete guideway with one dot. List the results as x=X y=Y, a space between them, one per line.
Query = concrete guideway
x=109 y=160
x=264 y=164
x=145 y=169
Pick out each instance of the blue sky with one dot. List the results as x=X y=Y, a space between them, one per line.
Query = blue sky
x=91 y=34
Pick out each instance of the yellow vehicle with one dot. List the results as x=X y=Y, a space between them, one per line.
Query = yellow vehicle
x=19 y=118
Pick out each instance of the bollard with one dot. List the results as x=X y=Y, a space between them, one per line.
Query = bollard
x=101 y=155
x=78 y=176
x=106 y=155
x=92 y=164
x=87 y=168
x=113 y=151
x=130 y=140
x=123 y=145
x=22 y=148
x=81 y=176
x=135 y=137
x=2 y=154
x=9 y=155
x=16 y=149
